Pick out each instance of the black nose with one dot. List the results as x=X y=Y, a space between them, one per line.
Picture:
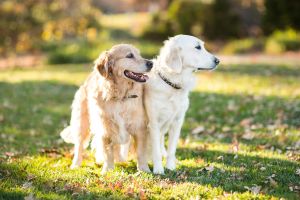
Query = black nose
x=149 y=64
x=216 y=60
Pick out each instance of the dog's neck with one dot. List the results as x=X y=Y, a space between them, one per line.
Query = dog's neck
x=119 y=89
x=169 y=82
x=174 y=80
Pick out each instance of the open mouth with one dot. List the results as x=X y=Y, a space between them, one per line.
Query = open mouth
x=138 y=77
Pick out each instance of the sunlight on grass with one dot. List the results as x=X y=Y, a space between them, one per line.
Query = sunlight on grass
x=240 y=139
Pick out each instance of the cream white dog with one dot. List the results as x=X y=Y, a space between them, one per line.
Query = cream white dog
x=166 y=93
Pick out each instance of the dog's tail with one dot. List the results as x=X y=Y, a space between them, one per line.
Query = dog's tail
x=78 y=130
x=67 y=136
x=70 y=137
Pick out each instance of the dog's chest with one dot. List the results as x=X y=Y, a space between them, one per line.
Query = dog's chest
x=171 y=106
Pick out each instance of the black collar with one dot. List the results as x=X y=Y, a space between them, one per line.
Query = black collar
x=173 y=85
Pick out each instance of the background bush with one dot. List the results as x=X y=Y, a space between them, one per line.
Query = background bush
x=281 y=14
x=195 y=18
x=26 y=24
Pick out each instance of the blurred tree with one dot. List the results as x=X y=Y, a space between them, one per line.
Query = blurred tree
x=211 y=19
x=220 y=21
x=26 y=22
x=281 y=14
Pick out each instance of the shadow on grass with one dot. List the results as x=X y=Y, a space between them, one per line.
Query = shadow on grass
x=262 y=69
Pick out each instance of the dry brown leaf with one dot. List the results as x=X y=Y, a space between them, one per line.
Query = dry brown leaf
x=29 y=197
x=246 y=122
x=298 y=172
x=27 y=185
x=210 y=168
x=198 y=130
x=249 y=135
x=255 y=189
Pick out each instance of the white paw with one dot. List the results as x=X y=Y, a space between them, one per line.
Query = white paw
x=158 y=169
x=106 y=168
x=144 y=168
x=171 y=163
x=74 y=166
x=76 y=163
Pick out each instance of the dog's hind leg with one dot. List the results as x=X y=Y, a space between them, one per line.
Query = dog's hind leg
x=79 y=126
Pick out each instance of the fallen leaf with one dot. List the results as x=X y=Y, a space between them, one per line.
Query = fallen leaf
x=262 y=169
x=198 y=130
x=142 y=195
x=235 y=145
x=1 y=118
x=298 y=171
x=246 y=122
x=255 y=189
x=210 y=168
x=220 y=158
x=249 y=135
x=27 y=185
x=29 y=197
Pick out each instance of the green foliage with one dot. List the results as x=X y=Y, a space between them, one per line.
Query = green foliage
x=28 y=22
x=159 y=28
x=281 y=14
x=215 y=20
x=242 y=46
x=281 y=41
x=81 y=50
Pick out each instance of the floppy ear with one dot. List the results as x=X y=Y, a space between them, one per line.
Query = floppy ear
x=104 y=64
x=171 y=58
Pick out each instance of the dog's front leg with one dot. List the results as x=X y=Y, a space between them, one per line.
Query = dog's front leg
x=142 y=160
x=174 y=134
x=156 y=148
x=108 y=155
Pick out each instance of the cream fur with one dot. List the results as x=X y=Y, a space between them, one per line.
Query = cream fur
x=165 y=105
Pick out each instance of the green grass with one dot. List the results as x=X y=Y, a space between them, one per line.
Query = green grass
x=248 y=121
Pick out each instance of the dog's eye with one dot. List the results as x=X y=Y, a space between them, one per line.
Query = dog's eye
x=130 y=55
x=198 y=47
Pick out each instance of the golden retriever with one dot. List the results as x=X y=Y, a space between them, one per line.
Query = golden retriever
x=109 y=107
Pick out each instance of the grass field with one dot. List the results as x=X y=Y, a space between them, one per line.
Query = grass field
x=240 y=140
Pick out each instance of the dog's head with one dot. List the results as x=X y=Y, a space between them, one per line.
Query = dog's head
x=123 y=61
x=186 y=52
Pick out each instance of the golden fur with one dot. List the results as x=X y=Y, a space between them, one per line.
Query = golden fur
x=109 y=107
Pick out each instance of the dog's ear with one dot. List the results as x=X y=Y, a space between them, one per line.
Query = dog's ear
x=104 y=64
x=171 y=58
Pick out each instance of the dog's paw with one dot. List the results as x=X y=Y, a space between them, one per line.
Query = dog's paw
x=158 y=170
x=144 y=168
x=106 y=168
x=171 y=163
x=74 y=166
